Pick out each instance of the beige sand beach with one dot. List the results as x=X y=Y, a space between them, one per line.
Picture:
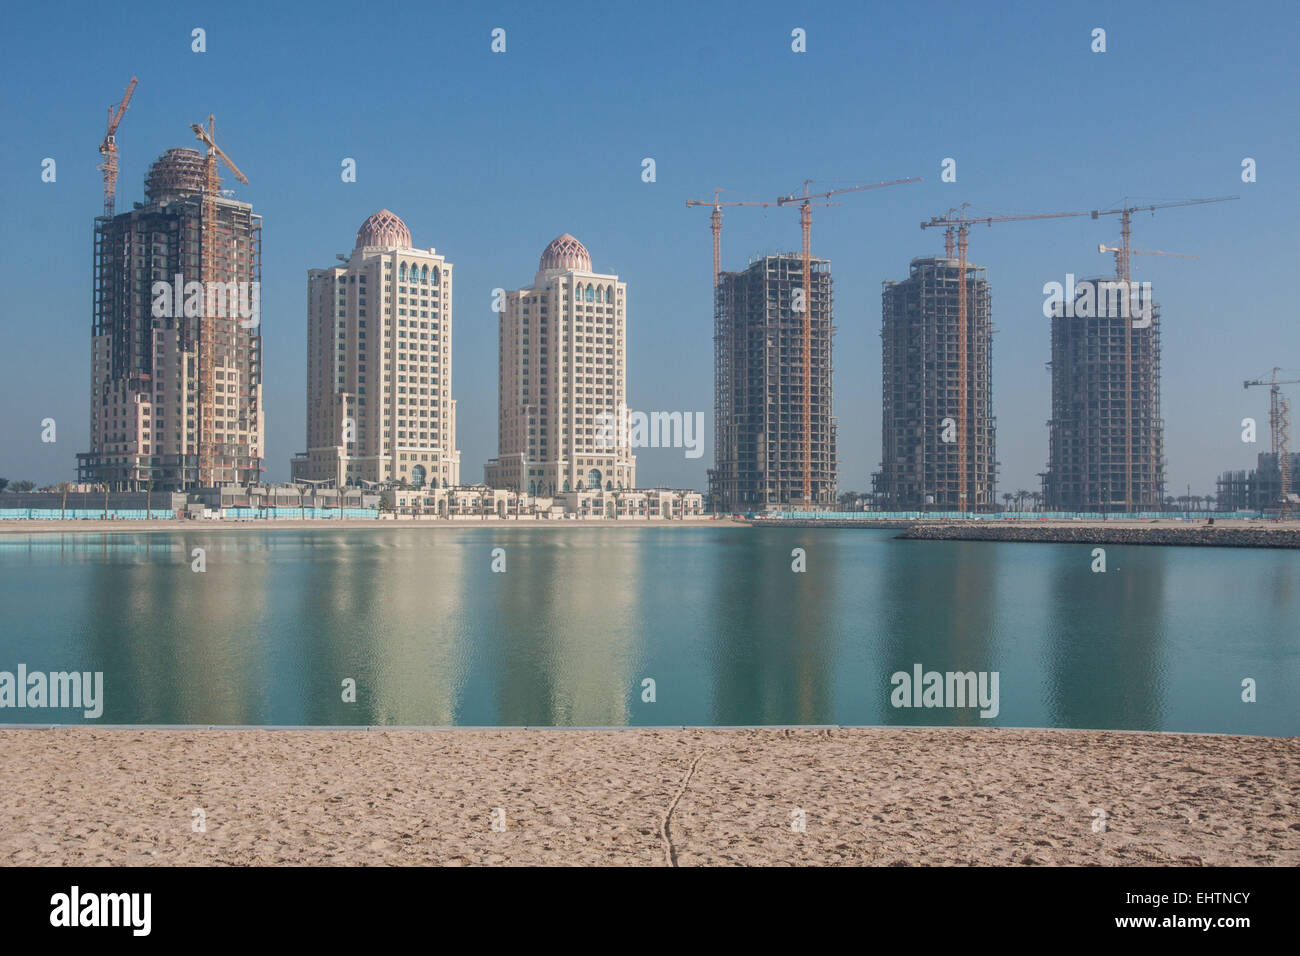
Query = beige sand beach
x=647 y=797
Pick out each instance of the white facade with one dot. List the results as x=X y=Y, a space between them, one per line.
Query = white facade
x=563 y=369
x=379 y=405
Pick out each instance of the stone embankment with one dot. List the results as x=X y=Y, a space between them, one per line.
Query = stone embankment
x=1213 y=536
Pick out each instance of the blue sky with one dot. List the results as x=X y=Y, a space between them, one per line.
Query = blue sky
x=487 y=157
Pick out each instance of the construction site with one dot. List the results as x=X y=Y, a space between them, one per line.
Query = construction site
x=1106 y=436
x=774 y=429
x=938 y=430
x=759 y=387
x=176 y=393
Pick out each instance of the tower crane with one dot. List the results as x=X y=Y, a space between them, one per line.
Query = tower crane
x=207 y=323
x=717 y=225
x=805 y=204
x=1123 y=254
x=957 y=218
x=1102 y=247
x=1123 y=272
x=108 y=149
x=1279 y=423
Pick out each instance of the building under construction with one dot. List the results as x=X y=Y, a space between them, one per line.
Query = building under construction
x=758 y=400
x=154 y=283
x=1259 y=489
x=938 y=447
x=1106 y=437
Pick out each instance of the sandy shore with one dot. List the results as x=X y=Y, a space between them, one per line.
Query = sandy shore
x=649 y=797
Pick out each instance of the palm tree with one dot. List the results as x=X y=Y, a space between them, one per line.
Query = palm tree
x=1037 y=498
x=63 y=487
x=1007 y=498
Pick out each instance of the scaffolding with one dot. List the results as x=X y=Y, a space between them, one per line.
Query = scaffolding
x=1106 y=436
x=762 y=443
x=938 y=435
x=149 y=389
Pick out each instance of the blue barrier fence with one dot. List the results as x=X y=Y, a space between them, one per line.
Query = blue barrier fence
x=126 y=514
x=1000 y=516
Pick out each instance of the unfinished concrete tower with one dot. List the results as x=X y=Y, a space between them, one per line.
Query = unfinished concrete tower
x=927 y=444
x=147 y=384
x=758 y=387
x=1106 y=435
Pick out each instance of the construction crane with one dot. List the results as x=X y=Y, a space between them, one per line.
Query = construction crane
x=1102 y=247
x=108 y=149
x=957 y=219
x=207 y=323
x=717 y=225
x=805 y=204
x=1124 y=273
x=1279 y=423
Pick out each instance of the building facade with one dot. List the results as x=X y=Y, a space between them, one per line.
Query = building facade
x=937 y=453
x=758 y=371
x=1106 y=436
x=379 y=335
x=562 y=380
x=152 y=303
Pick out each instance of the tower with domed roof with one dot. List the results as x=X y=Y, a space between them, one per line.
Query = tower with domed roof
x=563 y=379
x=148 y=387
x=379 y=397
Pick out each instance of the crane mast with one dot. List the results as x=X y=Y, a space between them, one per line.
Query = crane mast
x=108 y=149
x=207 y=323
x=805 y=204
x=1279 y=423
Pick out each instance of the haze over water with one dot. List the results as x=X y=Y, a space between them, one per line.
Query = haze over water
x=715 y=616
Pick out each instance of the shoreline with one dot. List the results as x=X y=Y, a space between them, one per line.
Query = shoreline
x=637 y=796
x=1228 y=533
x=25 y=526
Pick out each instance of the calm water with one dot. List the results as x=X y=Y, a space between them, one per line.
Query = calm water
x=714 y=616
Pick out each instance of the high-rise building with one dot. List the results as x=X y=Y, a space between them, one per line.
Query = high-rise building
x=758 y=373
x=562 y=386
x=1106 y=437
x=379 y=405
x=937 y=453
x=150 y=298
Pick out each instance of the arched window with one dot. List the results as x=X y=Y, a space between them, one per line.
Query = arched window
x=609 y=485
x=435 y=275
x=593 y=478
x=401 y=273
x=566 y=484
x=591 y=294
x=417 y=476
x=424 y=275
x=609 y=294
x=532 y=488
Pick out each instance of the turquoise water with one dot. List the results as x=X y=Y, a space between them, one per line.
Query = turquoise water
x=714 y=616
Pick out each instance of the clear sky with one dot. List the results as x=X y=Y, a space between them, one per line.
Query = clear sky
x=488 y=156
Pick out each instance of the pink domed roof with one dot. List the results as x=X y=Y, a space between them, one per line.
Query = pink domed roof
x=385 y=229
x=565 y=253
